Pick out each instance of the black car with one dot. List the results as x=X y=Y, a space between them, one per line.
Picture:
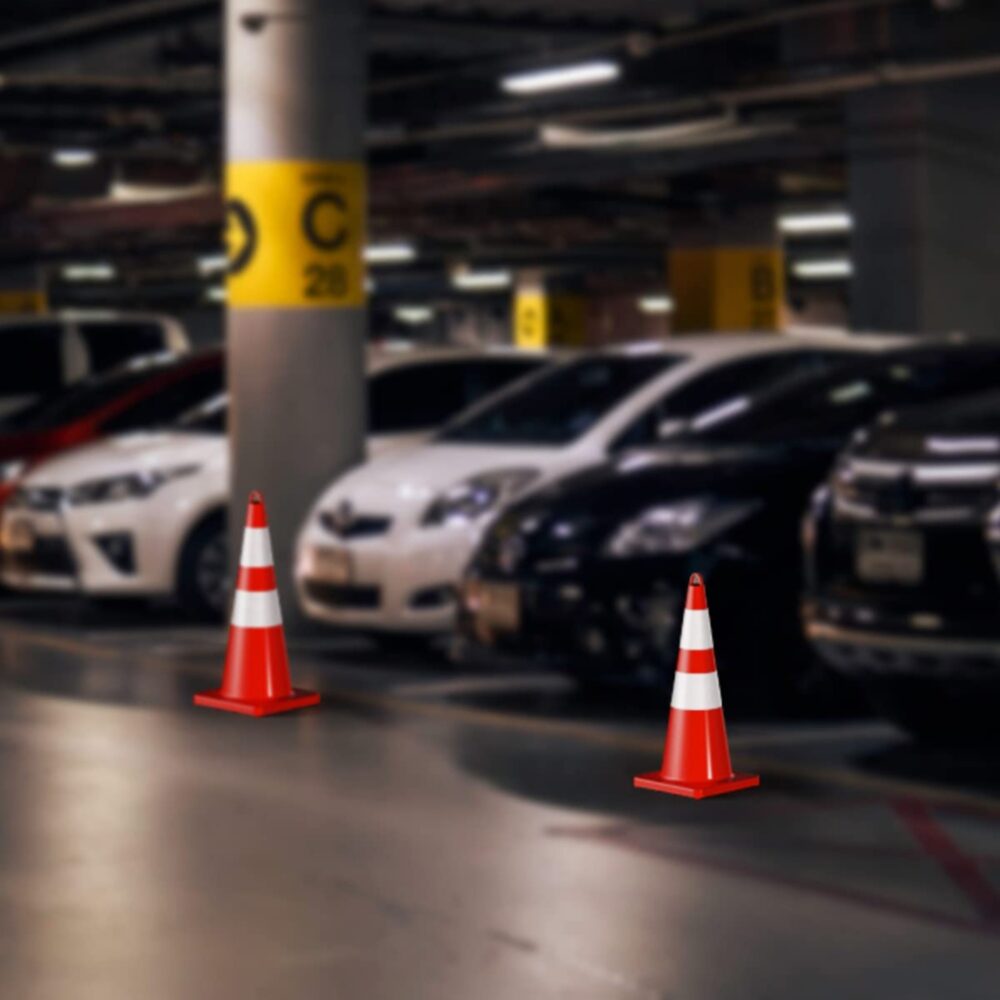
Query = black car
x=592 y=569
x=903 y=567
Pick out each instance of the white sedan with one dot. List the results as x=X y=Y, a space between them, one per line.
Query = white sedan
x=143 y=514
x=384 y=547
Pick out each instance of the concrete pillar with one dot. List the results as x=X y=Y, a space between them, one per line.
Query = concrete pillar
x=925 y=194
x=727 y=275
x=295 y=180
x=22 y=290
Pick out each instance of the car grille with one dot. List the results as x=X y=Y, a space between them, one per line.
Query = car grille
x=339 y=596
x=50 y=556
x=38 y=498
x=899 y=490
x=355 y=525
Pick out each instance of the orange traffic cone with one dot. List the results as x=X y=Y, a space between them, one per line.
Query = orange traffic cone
x=255 y=680
x=696 y=755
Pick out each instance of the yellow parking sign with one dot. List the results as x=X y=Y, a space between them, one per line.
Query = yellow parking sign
x=295 y=232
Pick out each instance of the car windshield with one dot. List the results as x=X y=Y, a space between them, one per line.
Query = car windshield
x=67 y=405
x=834 y=404
x=561 y=405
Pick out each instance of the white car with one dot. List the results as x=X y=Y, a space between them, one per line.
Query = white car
x=384 y=547
x=43 y=354
x=143 y=514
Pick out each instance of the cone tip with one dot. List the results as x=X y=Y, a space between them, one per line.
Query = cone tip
x=255 y=497
x=696 y=599
x=256 y=515
x=695 y=580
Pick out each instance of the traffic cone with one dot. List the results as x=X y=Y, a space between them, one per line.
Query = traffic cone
x=255 y=680
x=696 y=753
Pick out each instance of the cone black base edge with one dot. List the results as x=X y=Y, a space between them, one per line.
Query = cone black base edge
x=655 y=782
x=215 y=699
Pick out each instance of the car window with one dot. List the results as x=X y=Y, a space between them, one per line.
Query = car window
x=560 y=406
x=110 y=343
x=720 y=383
x=420 y=397
x=169 y=402
x=32 y=358
x=835 y=405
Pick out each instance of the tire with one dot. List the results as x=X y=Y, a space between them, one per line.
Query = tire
x=203 y=573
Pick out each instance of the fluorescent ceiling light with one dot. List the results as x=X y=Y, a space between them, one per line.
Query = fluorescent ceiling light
x=212 y=263
x=656 y=305
x=74 y=157
x=390 y=253
x=481 y=281
x=133 y=193
x=561 y=77
x=215 y=293
x=97 y=271
x=834 y=267
x=807 y=223
x=414 y=315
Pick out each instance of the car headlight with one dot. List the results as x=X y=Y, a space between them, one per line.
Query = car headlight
x=677 y=527
x=12 y=469
x=476 y=496
x=129 y=486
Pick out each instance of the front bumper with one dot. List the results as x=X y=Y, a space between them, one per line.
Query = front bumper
x=404 y=581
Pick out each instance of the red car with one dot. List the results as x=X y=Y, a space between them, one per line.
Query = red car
x=146 y=392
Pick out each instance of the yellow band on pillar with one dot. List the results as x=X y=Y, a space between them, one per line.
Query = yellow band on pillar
x=295 y=232
x=543 y=319
x=22 y=301
x=727 y=288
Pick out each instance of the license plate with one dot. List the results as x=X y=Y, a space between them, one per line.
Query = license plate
x=333 y=565
x=889 y=556
x=497 y=606
x=18 y=536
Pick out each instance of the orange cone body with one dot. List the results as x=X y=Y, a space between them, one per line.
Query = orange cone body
x=256 y=680
x=696 y=755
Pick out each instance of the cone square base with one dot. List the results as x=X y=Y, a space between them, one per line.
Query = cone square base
x=655 y=782
x=215 y=699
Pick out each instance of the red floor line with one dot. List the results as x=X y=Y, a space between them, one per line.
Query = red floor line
x=623 y=837
x=963 y=870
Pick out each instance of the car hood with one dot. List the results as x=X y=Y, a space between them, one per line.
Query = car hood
x=410 y=479
x=127 y=453
x=964 y=430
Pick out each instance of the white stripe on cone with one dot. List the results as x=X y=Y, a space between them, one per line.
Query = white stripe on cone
x=696 y=629
x=696 y=692
x=256 y=549
x=256 y=609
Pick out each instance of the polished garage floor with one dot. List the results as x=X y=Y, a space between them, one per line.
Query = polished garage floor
x=433 y=833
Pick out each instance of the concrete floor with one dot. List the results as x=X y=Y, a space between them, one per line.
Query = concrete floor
x=429 y=833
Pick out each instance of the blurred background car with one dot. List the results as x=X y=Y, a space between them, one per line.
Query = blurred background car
x=143 y=514
x=142 y=392
x=384 y=548
x=591 y=571
x=42 y=354
x=902 y=568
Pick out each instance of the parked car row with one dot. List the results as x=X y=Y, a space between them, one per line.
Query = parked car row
x=554 y=507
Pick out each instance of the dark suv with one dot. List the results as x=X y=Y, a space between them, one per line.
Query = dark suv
x=902 y=586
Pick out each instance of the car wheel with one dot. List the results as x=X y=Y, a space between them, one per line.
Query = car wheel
x=203 y=578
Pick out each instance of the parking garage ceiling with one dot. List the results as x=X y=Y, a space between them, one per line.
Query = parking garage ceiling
x=719 y=106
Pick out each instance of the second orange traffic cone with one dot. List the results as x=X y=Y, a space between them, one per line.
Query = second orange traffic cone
x=255 y=680
x=696 y=755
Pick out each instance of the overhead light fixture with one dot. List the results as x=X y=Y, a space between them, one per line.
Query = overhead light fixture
x=817 y=270
x=96 y=271
x=74 y=157
x=656 y=305
x=467 y=280
x=215 y=293
x=815 y=223
x=539 y=81
x=413 y=315
x=212 y=263
x=399 y=252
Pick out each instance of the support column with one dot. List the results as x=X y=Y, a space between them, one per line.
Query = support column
x=22 y=291
x=925 y=191
x=548 y=314
x=728 y=276
x=296 y=324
